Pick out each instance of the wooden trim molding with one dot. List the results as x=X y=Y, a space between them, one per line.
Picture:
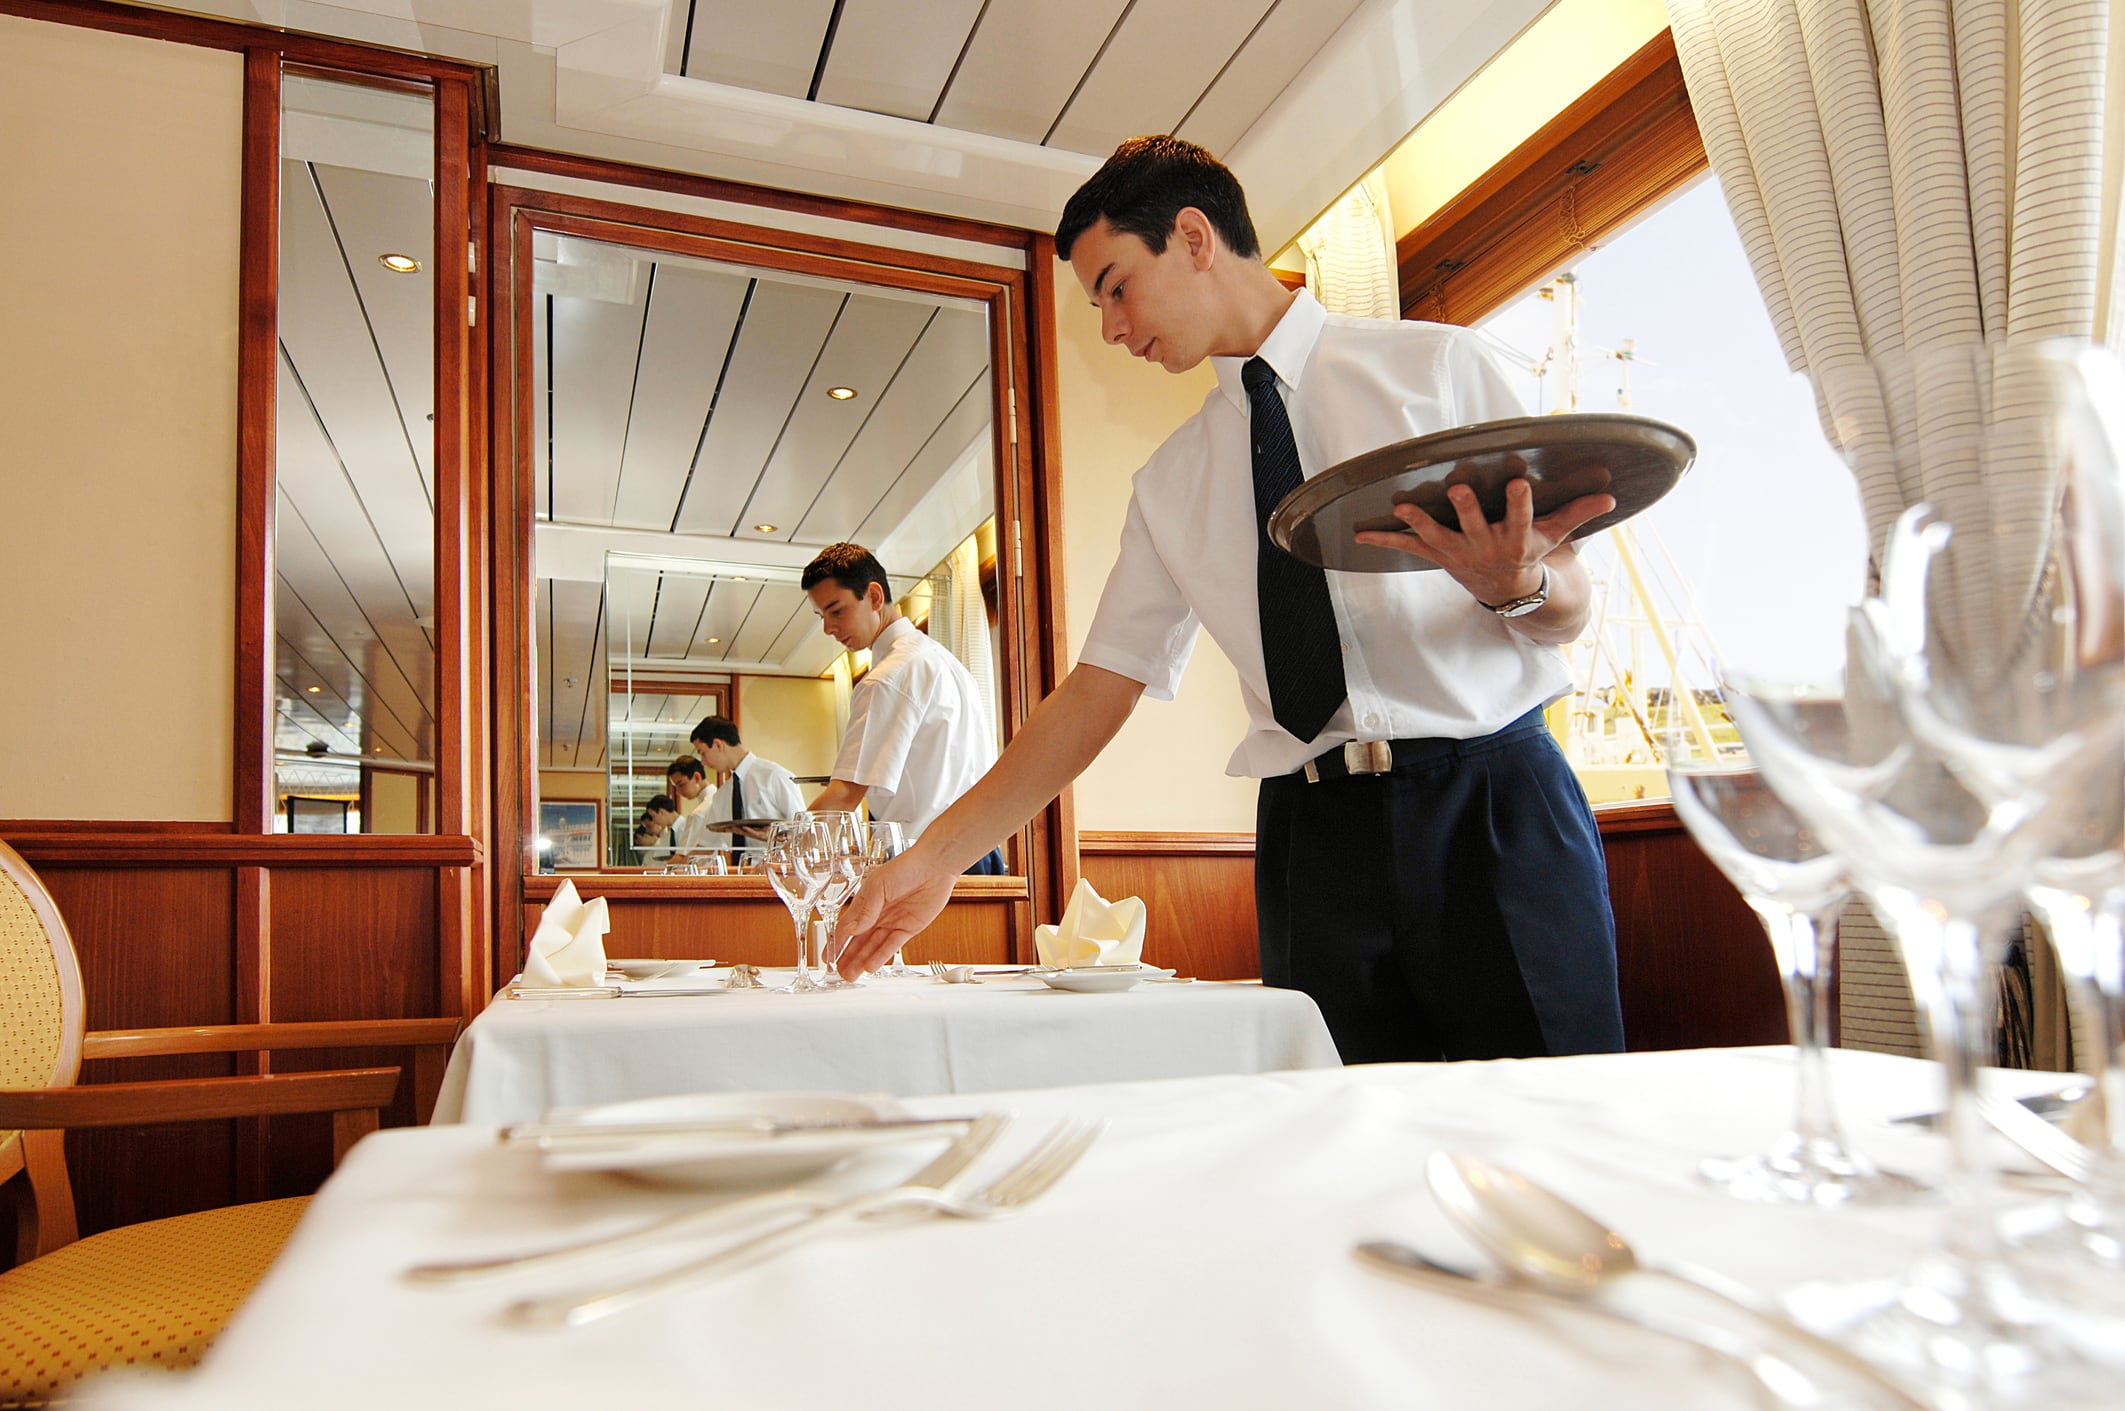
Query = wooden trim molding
x=239 y=1038
x=257 y=380
x=711 y=188
x=641 y=886
x=333 y=850
x=196 y=1099
x=1591 y=171
x=1115 y=844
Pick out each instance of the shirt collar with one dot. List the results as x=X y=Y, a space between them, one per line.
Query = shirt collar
x=891 y=633
x=1286 y=349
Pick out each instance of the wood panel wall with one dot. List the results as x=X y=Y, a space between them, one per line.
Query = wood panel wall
x=1695 y=969
x=740 y=920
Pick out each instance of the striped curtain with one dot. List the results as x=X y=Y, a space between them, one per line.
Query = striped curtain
x=1350 y=254
x=1908 y=177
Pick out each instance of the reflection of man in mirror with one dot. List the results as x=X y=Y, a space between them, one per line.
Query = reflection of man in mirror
x=653 y=828
x=1426 y=866
x=918 y=733
x=687 y=780
x=756 y=788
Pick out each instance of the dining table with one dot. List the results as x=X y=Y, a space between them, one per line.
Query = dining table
x=1201 y=1253
x=908 y=1036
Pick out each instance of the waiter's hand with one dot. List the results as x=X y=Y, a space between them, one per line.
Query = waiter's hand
x=1494 y=562
x=894 y=904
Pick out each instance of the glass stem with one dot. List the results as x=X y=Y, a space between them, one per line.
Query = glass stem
x=1956 y=1002
x=1806 y=949
x=804 y=942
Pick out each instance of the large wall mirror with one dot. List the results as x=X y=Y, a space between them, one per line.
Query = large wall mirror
x=699 y=420
x=354 y=550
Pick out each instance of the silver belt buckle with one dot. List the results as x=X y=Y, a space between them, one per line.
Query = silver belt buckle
x=1359 y=757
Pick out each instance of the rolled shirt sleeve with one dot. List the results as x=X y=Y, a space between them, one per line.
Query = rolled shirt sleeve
x=1144 y=628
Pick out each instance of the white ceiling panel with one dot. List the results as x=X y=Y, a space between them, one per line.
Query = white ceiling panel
x=376 y=214
x=630 y=609
x=966 y=425
x=680 y=598
x=591 y=382
x=779 y=340
x=774 y=617
x=772 y=48
x=571 y=673
x=1163 y=57
x=1280 y=48
x=326 y=335
x=884 y=61
x=730 y=606
x=952 y=355
x=870 y=342
x=333 y=640
x=1024 y=63
x=693 y=314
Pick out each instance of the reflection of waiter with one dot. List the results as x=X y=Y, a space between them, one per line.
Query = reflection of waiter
x=919 y=735
x=1426 y=867
x=758 y=788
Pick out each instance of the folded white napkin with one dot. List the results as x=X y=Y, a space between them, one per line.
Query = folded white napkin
x=569 y=947
x=1094 y=931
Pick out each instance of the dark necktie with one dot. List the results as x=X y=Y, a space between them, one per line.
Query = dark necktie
x=1300 y=645
x=737 y=795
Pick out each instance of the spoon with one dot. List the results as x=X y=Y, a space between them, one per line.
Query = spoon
x=1540 y=1237
x=1786 y=1384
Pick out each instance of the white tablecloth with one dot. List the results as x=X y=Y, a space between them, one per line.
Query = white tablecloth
x=909 y=1037
x=1198 y=1257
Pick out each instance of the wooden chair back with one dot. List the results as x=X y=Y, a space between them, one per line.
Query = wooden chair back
x=42 y=1017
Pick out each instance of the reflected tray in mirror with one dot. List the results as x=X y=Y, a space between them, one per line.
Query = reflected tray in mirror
x=1634 y=458
x=739 y=825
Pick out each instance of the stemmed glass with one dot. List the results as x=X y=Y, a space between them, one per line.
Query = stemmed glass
x=888 y=841
x=840 y=865
x=1796 y=888
x=1946 y=767
x=794 y=856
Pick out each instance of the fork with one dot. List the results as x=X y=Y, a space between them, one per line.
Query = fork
x=944 y=973
x=933 y=1190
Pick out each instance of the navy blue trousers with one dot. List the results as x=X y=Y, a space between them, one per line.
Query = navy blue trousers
x=1456 y=907
x=991 y=865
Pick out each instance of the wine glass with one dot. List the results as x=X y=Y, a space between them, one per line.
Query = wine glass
x=1946 y=766
x=888 y=841
x=841 y=863
x=793 y=858
x=1796 y=888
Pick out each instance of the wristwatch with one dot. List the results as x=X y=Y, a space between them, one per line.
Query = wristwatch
x=1521 y=607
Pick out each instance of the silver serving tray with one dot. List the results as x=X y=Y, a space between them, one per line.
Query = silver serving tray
x=1634 y=458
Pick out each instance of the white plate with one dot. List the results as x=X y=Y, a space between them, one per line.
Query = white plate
x=655 y=969
x=724 y=1159
x=1101 y=979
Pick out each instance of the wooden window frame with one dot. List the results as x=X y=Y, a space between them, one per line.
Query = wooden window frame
x=1588 y=174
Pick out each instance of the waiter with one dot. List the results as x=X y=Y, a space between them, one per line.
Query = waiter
x=919 y=734
x=758 y=788
x=1426 y=866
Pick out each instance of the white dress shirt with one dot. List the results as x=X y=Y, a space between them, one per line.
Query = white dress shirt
x=690 y=833
x=1421 y=657
x=770 y=792
x=918 y=735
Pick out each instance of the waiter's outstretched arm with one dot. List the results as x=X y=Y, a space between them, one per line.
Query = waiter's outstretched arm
x=1065 y=733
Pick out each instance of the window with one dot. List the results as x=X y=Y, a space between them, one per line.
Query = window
x=1752 y=559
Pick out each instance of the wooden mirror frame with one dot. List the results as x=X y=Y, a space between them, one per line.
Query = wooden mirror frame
x=1020 y=305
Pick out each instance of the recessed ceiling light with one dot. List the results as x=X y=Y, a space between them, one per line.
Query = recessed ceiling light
x=841 y=394
x=741 y=578
x=399 y=264
x=713 y=640
x=764 y=528
x=315 y=689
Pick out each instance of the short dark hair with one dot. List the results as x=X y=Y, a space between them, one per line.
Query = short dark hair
x=850 y=565
x=1142 y=189
x=716 y=730
x=686 y=766
x=659 y=803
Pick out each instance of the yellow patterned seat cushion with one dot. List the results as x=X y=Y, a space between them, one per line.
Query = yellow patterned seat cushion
x=153 y=1293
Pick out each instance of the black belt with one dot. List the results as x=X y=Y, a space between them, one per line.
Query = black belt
x=1361 y=757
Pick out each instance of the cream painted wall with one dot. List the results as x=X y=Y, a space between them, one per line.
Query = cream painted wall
x=571 y=783
x=119 y=160
x=790 y=720
x=1165 y=772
